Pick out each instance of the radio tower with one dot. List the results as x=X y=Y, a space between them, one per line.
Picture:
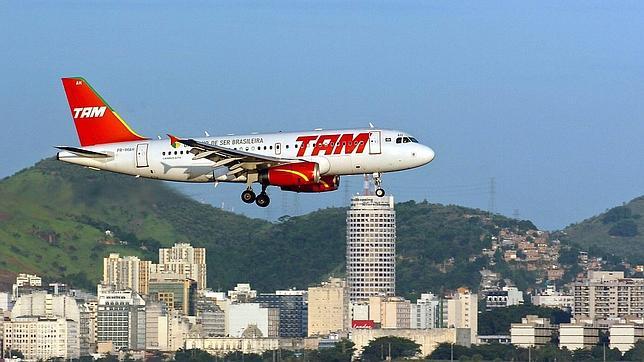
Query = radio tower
x=492 y=200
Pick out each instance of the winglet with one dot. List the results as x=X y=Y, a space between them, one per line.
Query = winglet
x=174 y=141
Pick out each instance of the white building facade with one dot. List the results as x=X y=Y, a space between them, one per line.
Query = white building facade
x=371 y=247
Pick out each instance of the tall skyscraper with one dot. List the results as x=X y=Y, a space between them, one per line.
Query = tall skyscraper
x=186 y=260
x=126 y=273
x=371 y=247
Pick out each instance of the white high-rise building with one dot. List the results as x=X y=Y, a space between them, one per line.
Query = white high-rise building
x=186 y=260
x=128 y=272
x=44 y=326
x=425 y=314
x=371 y=247
x=42 y=338
x=121 y=318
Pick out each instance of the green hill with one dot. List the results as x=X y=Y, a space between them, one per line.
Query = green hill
x=54 y=217
x=618 y=231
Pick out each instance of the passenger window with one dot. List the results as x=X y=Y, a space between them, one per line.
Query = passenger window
x=163 y=153
x=175 y=152
x=287 y=147
x=270 y=147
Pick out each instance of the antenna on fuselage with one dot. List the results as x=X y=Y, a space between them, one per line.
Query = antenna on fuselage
x=206 y=133
x=371 y=125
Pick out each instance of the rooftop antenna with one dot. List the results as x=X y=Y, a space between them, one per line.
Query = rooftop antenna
x=206 y=133
x=371 y=125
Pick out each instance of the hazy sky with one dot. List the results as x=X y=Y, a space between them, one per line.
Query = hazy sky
x=546 y=97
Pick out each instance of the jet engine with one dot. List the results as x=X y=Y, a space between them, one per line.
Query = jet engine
x=291 y=174
x=327 y=183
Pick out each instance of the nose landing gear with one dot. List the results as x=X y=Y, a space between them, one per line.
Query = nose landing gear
x=377 y=180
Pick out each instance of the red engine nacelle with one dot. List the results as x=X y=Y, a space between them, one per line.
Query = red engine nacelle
x=291 y=174
x=327 y=183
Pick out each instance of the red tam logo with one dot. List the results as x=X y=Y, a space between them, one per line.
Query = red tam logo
x=333 y=144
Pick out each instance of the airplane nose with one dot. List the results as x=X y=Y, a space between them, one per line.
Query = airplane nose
x=427 y=154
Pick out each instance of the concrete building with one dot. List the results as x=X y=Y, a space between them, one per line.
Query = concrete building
x=428 y=339
x=390 y=312
x=359 y=311
x=175 y=290
x=371 y=247
x=127 y=272
x=608 y=295
x=293 y=312
x=186 y=260
x=173 y=330
x=532 y=331
x=43 y=304
x=42 y=338
x=25 y=284
x=154 y=311
x=219 y=346
x=503 y=298
x=578 y=336
x=211 y=319
x=460 y=310
x=5 y=302
x=121 y=318
x=241 y=316
x=552 y=298
x=328 y=308
x=87 y=326
x=242 y=293
x=425 y=314
x=624 y=336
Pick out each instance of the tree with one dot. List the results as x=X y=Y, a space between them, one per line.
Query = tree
x=395 y=347
x=342 y=351
x=246 y=357
x=192 y=355
x=636 y=353
x=625 y=228
x=108 y=358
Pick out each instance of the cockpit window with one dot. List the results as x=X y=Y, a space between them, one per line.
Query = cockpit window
x=406 y=140
x=399 y=140
x=413 y=139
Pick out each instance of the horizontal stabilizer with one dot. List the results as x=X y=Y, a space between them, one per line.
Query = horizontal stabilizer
x=83 y=152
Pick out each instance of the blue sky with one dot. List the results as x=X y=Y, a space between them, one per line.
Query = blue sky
x=546 y=97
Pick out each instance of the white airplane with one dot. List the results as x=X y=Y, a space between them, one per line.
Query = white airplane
x=310 y=161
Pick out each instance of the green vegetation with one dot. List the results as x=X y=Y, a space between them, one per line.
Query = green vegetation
x=388 y=348
x=615 y=232
x=498 y=320
x=503 y=352
x=54 y=217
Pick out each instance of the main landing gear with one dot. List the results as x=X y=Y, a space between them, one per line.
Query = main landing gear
x=262 y=200
x=377 y=180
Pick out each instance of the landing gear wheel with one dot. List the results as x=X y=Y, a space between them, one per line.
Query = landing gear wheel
x=248 y=196
x=380 y=192
x=262 y=200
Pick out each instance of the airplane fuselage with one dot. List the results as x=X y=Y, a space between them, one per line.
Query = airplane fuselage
x=337 y=152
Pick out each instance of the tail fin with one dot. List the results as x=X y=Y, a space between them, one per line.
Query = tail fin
x=96 y=122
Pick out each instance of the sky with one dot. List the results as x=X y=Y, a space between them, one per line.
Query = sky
x=546 y=98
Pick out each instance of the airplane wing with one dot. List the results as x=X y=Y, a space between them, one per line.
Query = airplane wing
x=236 y=160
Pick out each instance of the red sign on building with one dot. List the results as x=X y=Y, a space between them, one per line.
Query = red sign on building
x=363 y=324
